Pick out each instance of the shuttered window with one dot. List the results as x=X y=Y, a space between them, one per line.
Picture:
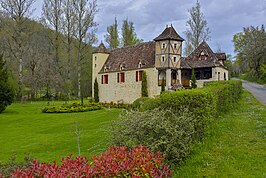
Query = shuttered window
x=139 y=75
x=121 y=77
x=105 y=79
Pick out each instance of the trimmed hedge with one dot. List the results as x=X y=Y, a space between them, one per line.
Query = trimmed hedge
x=70 y=108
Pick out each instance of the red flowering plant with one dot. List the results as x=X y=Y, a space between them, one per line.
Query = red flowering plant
x=115 y=162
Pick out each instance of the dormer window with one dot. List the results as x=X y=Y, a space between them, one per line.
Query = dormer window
x=122 y=66
x=105 y=69
x=140 y=65
x=203 y=55
x=163 y=45
x=163 y=58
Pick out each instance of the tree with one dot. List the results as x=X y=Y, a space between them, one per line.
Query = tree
x=96 y=91
x=163 y=86
x=112 y=36
x=84 y=14
x=250 y=46
x=18 y=11
x=193 y=79
x=6 y=91
x=197 y=29
x=129 y=37
x=144 y=87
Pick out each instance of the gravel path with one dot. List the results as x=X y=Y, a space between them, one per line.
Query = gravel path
x=257 y=90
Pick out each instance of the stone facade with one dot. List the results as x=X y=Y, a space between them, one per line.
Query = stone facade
x=118 y=72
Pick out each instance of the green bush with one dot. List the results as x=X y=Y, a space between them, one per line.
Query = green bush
x=166 y=130
x=138 y=102
x=70 y=108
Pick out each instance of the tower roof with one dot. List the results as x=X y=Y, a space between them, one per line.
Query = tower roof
x=101 y=48
x=169 y=34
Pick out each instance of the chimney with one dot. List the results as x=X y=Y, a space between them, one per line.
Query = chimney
x=167 y=26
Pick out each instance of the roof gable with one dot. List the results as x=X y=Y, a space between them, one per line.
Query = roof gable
x=169 y=34
x=202 y=56
x=130 y=57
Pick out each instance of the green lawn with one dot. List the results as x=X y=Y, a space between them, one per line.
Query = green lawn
x=234 y=147
x=48 y=137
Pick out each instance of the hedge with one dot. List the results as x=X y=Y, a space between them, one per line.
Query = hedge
x=70 y=108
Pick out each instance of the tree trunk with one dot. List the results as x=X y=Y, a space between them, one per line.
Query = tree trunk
x=20 y=79
x=79 y=71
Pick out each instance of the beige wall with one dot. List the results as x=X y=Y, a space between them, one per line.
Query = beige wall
x=98 y=60
x=130 y=90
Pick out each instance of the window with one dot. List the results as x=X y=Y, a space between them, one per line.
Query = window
x=163 y=45
x=105 y=79
x=174 y=58
x=95 y=65
x=95 y=58
x=139 y=75
x=175 y=45
x=163 y=58
x=121 y=77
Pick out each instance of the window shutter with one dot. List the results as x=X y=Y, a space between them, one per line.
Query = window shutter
x=102 y=79
x=123 y=77
x=117 y=77
x=137 y=76
x=140 y=75
x=106 y=79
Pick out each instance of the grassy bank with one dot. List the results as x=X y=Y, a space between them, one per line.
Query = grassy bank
x=235 y=145
x=24 y=129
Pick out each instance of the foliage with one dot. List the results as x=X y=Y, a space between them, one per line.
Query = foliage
x=116 y=105
x=174 y=121
x=168 y=131
x=193 y=79
x=234 y=145
x=197 y=31
x=129 y=36
x=115 y=162
x=6 y=91
x=7 y=168
x=163 y=86
x=69 y=108
x=144 y=87
x=250 y=46
x=112 y=36
x=138 y=102
x=96 y=91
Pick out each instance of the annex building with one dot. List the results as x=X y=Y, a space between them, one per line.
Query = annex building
x=119 y=72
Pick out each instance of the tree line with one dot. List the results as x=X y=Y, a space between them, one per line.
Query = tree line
x=52 y=56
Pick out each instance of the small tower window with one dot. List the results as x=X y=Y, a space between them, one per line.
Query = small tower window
x=95 y=58
x=163 y=59
x=174 y=58
x=95 y=65
x=175 y=45
x=163 y=45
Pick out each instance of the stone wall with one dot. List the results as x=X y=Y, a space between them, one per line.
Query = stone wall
x=130 y=90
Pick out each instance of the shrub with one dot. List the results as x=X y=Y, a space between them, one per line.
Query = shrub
x=6 y=91
x=138 y=102
x=115 y=162
x=144 y=88
x=116 y=105
x=70 y=108
x=169 y=131
x=96 y=91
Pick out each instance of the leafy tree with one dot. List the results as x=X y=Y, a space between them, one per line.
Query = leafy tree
x=144 y=88
x=96 y=91
x=193 y=80
x=250 y=46
x=163 y=86
x=6 y=91
x=129 y=36
x=197 y=29
x=112 y=37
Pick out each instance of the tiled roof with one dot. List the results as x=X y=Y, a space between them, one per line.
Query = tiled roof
x=169 y=34
x=202 y=56
x=220 y=56
x=101 y=49
x=129 y=57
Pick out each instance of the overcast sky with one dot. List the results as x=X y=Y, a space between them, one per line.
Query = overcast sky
x=225 y=17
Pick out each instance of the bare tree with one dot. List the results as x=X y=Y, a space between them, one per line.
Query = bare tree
x=197 y=29
x=68 y=19
x=84 y=13
x=18 y=11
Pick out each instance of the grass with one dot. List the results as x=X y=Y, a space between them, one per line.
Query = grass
x=235 y=145
x=48 y=137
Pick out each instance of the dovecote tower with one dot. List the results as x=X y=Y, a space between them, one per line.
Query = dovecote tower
x=167 y=56
x=98 y=59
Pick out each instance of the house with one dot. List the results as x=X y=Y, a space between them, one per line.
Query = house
x=119 y=72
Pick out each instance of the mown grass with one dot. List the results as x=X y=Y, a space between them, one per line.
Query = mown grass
x=24 y=129
x=235 y=145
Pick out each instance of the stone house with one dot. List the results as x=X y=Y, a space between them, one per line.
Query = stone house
x=119 y=72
